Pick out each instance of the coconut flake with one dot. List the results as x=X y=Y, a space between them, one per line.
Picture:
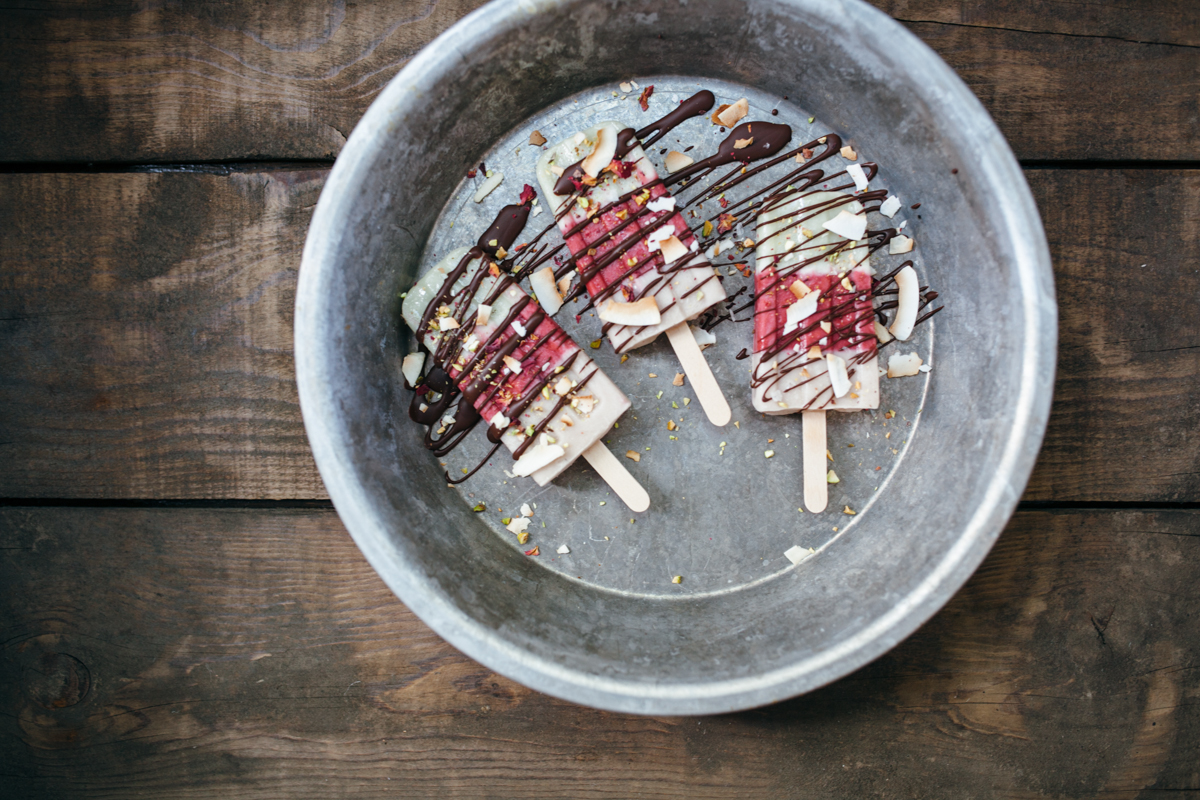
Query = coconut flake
x=799 y=289
x=847 y=225
x=642 y=312
x=676 y=161
x=890 y=206
x=860 y=177
x=513 y=364
x=664 y=203
x=564 y=283
x=899 y=245
x=902 y=366
x=882 y=334
x=483 y=314
x=602 y=155
x=520 y=524
x=542 y=283
x=797 y=554
x=730 y=116
x=672 y=249
x=518 y=327
x=536 y=457
x=656 y=236
x=801 y=310
x=500 y=422
x=838 y=377
x=410 y=368
x=488 y=185
x=563 y=550
x=848 y=153
x=908 y=299
x=526 y=511
x=447 y=324
x=703 y=338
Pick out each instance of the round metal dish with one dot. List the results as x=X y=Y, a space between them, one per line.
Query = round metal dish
x=618 y=637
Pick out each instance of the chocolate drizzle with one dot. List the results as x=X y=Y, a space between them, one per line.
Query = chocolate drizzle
x=465 y=371
x=627 y=221
x=758 y=140
x=504 y=230
x=694 y=106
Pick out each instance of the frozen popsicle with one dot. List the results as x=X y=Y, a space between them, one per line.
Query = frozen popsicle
x=496 y=355
x=815 y=346
x=642 y=267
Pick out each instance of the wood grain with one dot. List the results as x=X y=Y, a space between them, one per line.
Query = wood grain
x=1126 y=250
x=185 y=653
x=171 y=82
x=1174 y=22
x=145 y=336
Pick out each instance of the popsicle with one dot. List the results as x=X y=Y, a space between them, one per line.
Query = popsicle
x=496 y=355
x=642 y=267
x=815 y=345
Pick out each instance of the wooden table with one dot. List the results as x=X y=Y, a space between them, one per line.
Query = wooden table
x=183 y=615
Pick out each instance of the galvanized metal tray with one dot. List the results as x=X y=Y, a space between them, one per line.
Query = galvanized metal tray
x=930 y=488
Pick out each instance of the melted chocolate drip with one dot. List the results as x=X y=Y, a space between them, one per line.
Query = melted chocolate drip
x=504 y=230
x=694 y=106
x=762 y=139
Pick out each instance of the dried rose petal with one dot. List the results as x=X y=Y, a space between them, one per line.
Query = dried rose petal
x=623 y=168
x=527 y=194
x=725 y=223
x=644 y=100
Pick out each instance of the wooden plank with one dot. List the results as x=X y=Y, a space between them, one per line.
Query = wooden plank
x=129 y=82
x=182 y=82
x=145 y=336
x=190 y=653
x=1126 y=419
x=1175 y=22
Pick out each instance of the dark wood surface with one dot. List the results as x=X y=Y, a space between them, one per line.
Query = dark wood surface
x=240 y=80
x=182 y=614
x=255 y=652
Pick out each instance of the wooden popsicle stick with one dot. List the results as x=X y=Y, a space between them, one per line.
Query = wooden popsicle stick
x=816 y=489
x=617 y=477
x=712 y=400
